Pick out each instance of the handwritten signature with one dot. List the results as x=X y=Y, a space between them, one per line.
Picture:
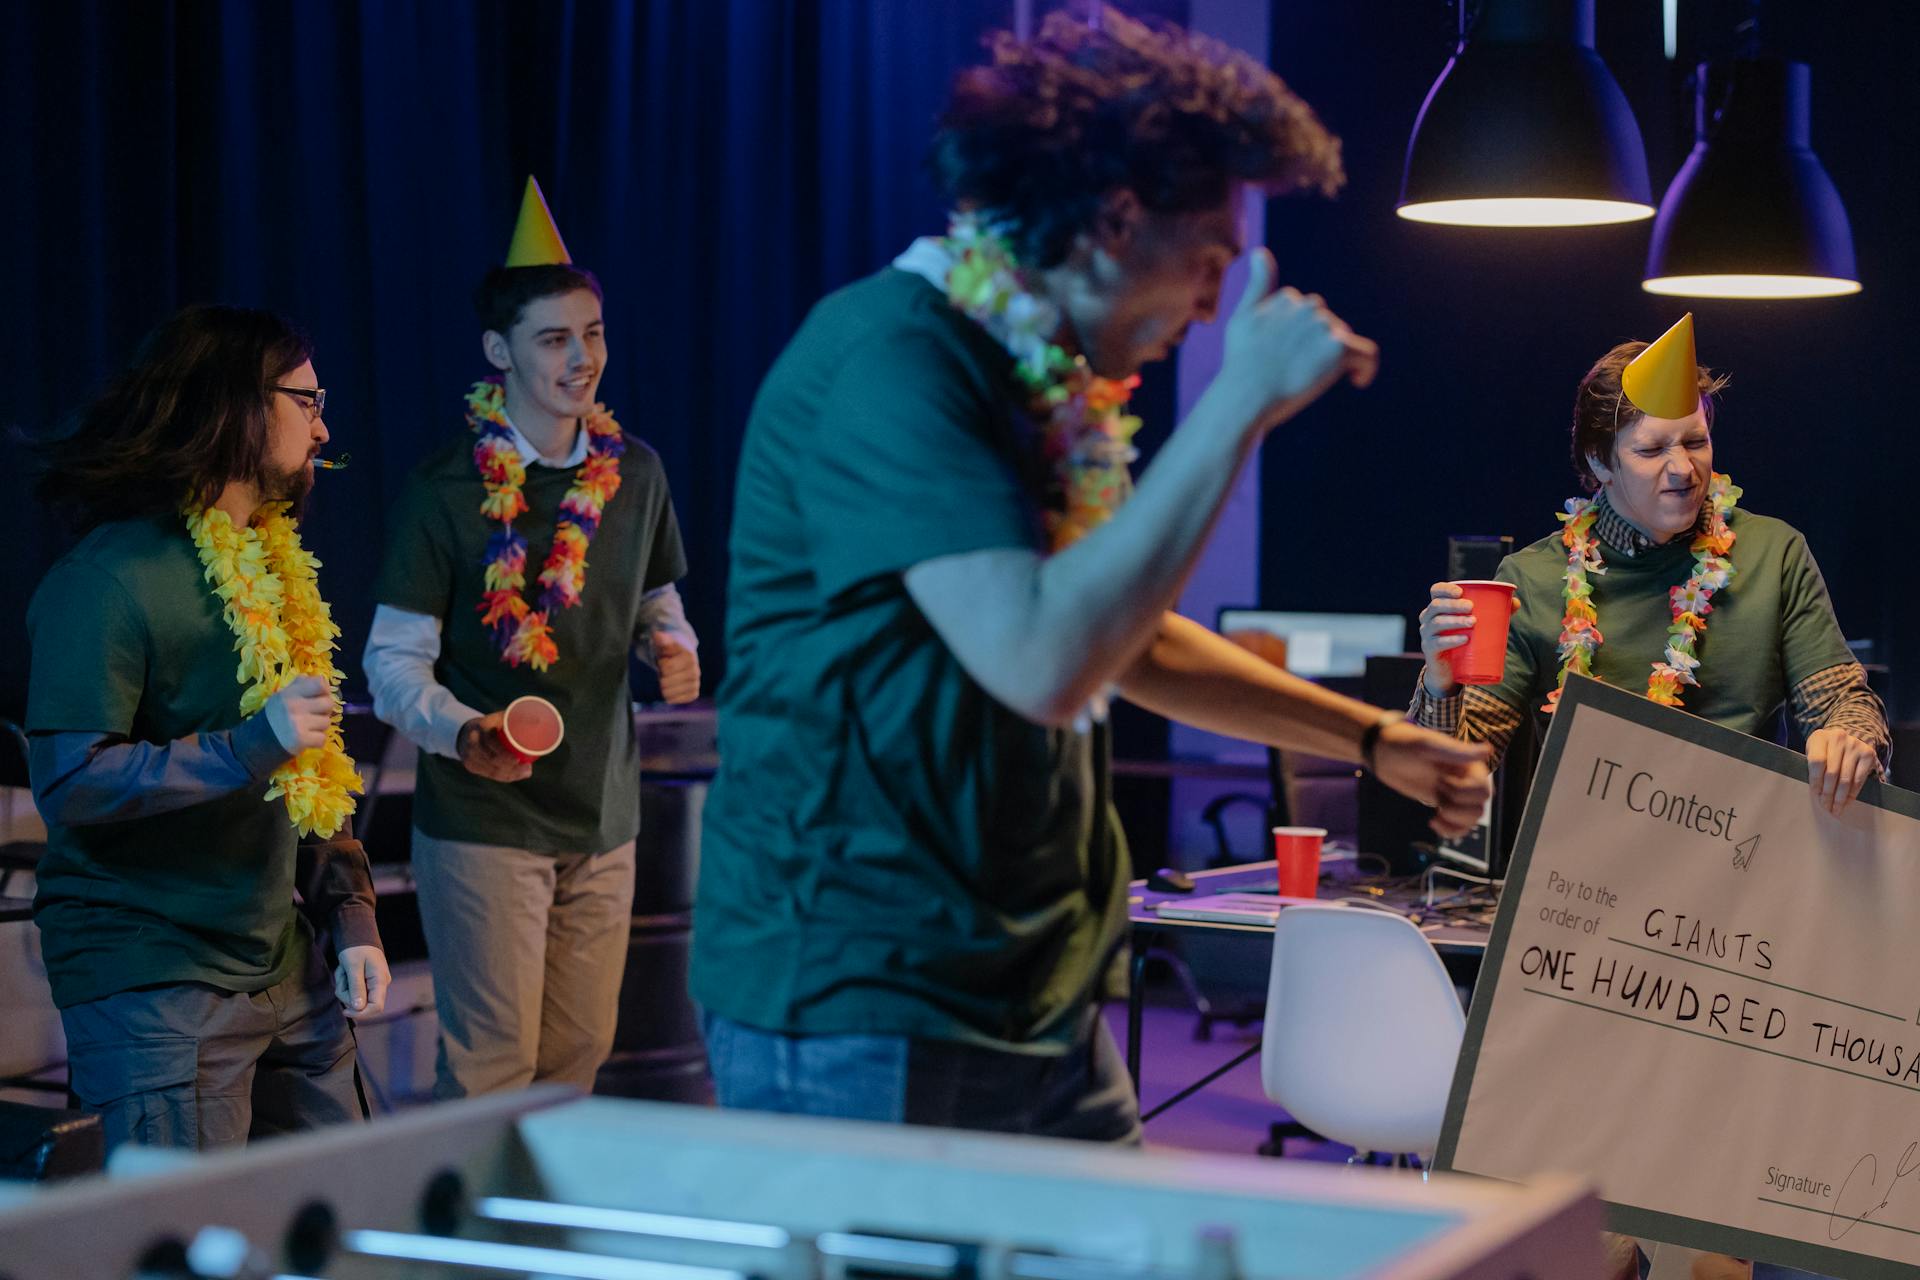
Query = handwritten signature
x=1849 y=1211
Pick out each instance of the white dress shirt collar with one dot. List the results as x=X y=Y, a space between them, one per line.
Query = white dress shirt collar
x=530 y=456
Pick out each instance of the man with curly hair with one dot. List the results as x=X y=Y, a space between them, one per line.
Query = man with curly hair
x=913 y=887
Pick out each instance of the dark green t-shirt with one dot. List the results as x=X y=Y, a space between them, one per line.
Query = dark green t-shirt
x=888 y=849
x=1771 y=627
x=585 y=797
x=128 y=640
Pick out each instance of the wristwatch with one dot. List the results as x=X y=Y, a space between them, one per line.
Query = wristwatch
x=1370 y=736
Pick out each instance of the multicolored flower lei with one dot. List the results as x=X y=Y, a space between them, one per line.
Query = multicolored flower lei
x=524 y=632
x=270 y=596
x=1690 y=601
x=1086 y=435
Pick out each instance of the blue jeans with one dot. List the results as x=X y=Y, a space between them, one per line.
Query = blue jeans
x=1084 y=1094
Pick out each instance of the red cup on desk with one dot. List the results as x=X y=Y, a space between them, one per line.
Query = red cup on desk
x=1296 y=851
x=531 y=728
x=1483 y=658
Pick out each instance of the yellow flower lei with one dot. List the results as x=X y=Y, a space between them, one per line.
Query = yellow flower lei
x=282 y=628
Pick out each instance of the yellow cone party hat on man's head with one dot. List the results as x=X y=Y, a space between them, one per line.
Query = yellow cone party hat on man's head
x=1664 y=380
x=536 y=241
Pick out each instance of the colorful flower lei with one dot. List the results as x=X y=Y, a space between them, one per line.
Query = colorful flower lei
x=1690 y=601
x=524 y=632
x=270 y=597
x=1087 y=438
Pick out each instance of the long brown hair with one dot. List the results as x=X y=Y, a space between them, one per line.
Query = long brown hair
x=187 y=416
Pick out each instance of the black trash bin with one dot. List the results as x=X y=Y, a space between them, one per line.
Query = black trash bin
x=658 y=1051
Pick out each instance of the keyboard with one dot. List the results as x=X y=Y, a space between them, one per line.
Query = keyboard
x=1235 y=908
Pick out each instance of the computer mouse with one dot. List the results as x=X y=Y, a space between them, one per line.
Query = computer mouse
x=1170 y=880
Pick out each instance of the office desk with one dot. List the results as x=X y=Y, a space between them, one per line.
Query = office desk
x=1146 y=928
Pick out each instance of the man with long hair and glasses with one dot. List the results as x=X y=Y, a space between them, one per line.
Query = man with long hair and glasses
x=185 y=751
x=912 y=882
x=526 y=870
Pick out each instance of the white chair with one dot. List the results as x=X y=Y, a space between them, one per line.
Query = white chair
x=1363 y=1028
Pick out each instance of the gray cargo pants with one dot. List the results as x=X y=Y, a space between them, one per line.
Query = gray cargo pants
x=190 y=1065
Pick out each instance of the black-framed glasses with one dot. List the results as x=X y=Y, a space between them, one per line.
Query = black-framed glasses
x=316 y=398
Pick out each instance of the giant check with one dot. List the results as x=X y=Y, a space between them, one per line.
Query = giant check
x=1703 y=992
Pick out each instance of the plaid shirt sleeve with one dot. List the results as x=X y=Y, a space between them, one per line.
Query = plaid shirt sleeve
x=1469 y=713
x=1838 y=698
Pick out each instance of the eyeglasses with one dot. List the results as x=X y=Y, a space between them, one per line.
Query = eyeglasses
x=316 y=398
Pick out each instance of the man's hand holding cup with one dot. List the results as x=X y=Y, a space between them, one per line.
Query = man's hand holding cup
x=1447 y=623
x=484 y=752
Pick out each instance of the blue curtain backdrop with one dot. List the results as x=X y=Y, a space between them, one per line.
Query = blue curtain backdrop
x=720 y=165
x=724 y=163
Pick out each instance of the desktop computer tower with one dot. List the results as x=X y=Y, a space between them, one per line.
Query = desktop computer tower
x=1390 y=825
x=1472 y=557
x=1396 y=829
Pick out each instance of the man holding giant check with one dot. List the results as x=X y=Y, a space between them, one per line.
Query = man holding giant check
x=1703 y=991
x=1702 y=988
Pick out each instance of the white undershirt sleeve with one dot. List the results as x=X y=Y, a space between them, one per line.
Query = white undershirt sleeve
x=401 y=651
x=662 y=610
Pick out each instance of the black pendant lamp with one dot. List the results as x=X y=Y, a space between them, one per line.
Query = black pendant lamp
x=1752 y=214
x=1526 y=127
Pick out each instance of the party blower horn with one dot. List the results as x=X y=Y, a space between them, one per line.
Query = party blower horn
x=531 y=727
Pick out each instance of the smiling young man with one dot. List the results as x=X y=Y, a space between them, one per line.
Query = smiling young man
x=525 y=871
x=183 y=807
x=912 y=881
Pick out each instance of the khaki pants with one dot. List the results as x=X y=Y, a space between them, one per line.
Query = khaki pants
x=527 y=951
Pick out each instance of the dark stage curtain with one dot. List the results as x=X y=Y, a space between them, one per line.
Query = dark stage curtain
x=724 y=163
x=1485 y=334
x=720 y=164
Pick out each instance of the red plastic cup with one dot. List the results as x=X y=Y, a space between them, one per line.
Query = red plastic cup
x=531 y=728
x=1483 y=658
x=1296 y=850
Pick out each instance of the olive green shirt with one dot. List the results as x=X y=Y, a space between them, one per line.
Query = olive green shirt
x=887 y=849
x=128 y=642
x=1771 y=627
x=585 y=796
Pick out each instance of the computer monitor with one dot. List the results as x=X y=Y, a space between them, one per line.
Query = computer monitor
x=1323 y=644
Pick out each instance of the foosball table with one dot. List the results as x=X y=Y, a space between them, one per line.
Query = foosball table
x=545 y=1183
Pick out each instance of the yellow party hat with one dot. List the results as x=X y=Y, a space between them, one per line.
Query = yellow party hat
x=1664 y=380
x=536 y=241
